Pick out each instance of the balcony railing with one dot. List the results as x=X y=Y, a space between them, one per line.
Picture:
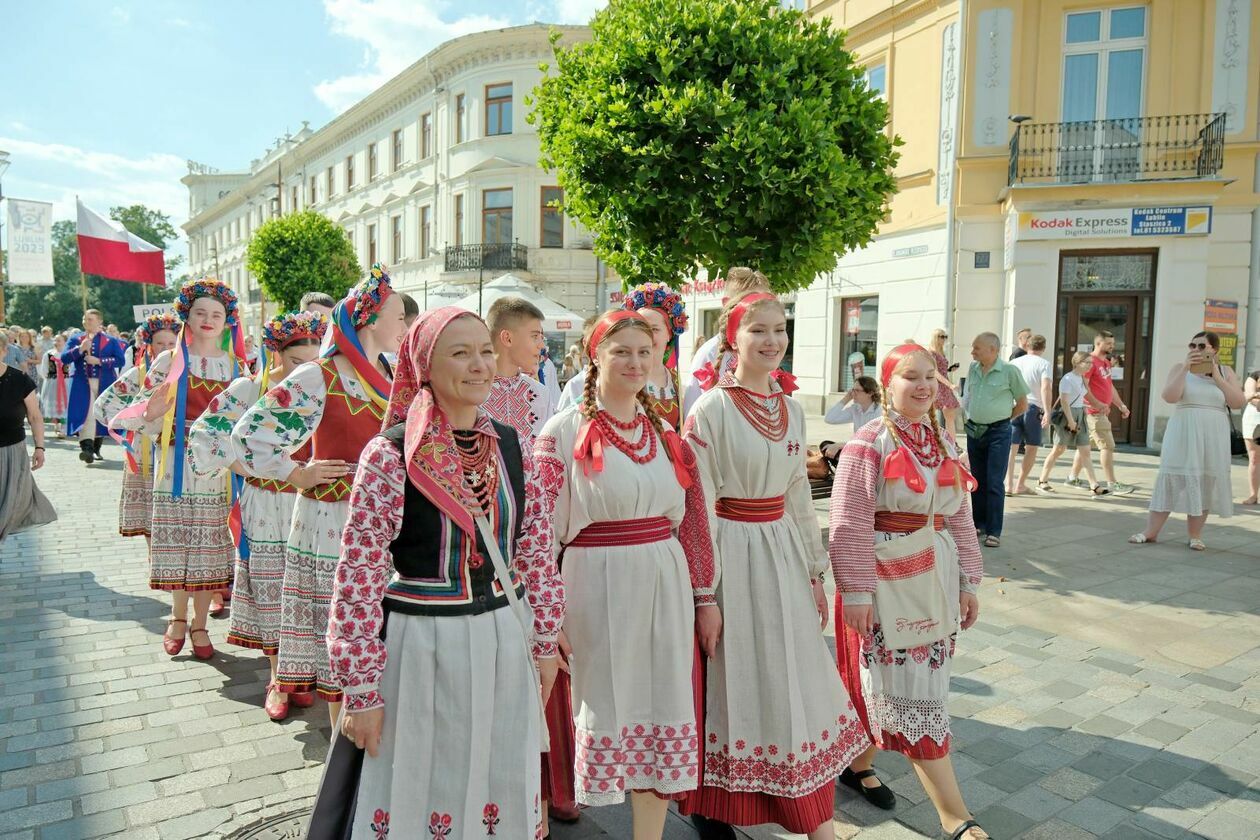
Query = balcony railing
x=1131 y=149
x=491 y=256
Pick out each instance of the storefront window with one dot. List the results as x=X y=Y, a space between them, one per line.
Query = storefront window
x=859 y=319
x=1106 y=272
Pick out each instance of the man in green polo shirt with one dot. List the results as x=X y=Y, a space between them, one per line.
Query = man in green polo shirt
x=995 y=394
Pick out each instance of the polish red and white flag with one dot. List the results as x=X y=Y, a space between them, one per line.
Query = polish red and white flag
x=108 y=249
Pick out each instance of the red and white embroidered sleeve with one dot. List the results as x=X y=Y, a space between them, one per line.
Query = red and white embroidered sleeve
x=356 y=651
x=703 y=465
x=852 y=517
x=694 y=534
x=534 y=559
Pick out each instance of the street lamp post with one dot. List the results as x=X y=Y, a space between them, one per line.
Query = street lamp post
x=4 y=165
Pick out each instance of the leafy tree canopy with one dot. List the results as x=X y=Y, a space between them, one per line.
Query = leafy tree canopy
x=299 y=253
x=716 y=133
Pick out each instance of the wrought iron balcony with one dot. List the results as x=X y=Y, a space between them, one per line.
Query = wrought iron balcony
x=1131 y=149
x=491 y=256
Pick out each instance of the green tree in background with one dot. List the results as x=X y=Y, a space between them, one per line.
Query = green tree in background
x=716 y=133
x=299 y=253
x=61 y=305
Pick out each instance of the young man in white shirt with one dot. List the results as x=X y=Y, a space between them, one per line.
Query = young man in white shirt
x=1027 y=428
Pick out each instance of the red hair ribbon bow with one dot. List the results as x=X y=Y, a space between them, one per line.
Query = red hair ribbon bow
x=674 y=443
x=706 y=377
x=953 y=472
x=589 y=447
x=786 y=381
x=900 y=464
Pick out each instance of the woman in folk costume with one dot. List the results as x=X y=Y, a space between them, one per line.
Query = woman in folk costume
x=900 y=479
x=266 y=505
x=447 y=532
x=154 y=337
x=337 y=404
x=709 y=363
x=54 y=389
x=191 y=549
x=779 y=726
x=638 y=574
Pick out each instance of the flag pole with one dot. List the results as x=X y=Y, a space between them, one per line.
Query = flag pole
x=83 y=288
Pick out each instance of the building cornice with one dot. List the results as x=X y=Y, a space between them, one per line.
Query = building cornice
x=882 y=22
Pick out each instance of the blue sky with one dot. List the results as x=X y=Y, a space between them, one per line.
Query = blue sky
x=107 y=100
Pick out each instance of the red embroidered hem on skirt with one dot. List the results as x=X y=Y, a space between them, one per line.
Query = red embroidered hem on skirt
x=799 y=816
x=557 y=763
x=848 y=649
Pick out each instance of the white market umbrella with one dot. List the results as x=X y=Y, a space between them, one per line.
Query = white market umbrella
x=556 y=318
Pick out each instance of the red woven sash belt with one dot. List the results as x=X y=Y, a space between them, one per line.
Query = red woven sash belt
x=623 y=532
x=751 y=510
x=271 y=484
x=893 y=523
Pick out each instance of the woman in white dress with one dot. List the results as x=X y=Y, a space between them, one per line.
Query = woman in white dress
x=154 y=337
x=1251 y=431
x=266 y=506
x=1194 y=459
x=638 y=573
x=53 y=390
x=779 y=726
x=191 y=549
x=896 y=472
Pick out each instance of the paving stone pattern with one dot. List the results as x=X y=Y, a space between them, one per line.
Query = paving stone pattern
x=1077 y=713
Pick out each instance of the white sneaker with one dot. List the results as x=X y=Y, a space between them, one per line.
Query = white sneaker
x=1076 y=482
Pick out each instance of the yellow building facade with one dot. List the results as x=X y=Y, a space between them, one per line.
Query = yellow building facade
x=1069 y=166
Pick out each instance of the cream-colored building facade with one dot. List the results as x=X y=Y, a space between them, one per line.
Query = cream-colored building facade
x=1069 y=166
x=432 y=174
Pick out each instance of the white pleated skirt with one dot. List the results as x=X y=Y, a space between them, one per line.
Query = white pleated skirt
x=459 y=755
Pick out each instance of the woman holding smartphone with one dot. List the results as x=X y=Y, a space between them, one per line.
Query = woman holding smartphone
x=1195 y=460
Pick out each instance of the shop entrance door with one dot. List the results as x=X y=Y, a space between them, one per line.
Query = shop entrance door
x=1090 y=316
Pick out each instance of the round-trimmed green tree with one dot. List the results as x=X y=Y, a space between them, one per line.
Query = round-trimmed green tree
x=716 y=133
x=299 y=253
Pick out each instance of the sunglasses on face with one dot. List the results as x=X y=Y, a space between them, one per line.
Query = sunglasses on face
x=1195 y=345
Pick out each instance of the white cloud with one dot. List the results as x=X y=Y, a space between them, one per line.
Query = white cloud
x=577 y=11
x=120 y=14
x=56 y=172
x=396 y=33
x=179 y=23
x=18 y=125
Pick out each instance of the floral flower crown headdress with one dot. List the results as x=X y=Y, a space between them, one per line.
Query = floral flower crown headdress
x=283 y=330
x=662 y=298
x=207 y=287
x=369 y=295
x=155 y=324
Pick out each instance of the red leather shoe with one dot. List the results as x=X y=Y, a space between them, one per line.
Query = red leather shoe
x=302 y=699
x=174 y=646
x=277 y=710
x=225 y=598
x=202 y=651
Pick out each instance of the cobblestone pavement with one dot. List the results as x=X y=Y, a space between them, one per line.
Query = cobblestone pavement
x=1108 y=691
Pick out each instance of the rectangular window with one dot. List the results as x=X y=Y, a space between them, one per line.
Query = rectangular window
x=552 y=235
x=349 y=172
x=293 y=198
x=498 y=109
x=860 y=317
x=459 y=220
x=371 y=243
x=426 y=230
x=877 y=79
x=426 y=135
x=460 y=113
x=310 y=192
x=496 y=216
x=373 y=164
x=350 y=236
x=396 y=245
x=397 y=162
x=328 y=187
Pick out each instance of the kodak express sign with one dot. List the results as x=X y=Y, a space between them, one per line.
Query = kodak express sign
x=1115 y=223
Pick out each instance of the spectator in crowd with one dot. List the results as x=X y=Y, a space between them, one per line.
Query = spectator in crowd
x=1021 y=343
x=995 y=395
x=859 y=406
x=22 y=505
x=1251 y=434
x=1068 y=424
x=317 y=302
x=1026 y=430
x=1194 y=459
x=947 y=392
x=25 y=357
x=112 y=331
x=1099 y=401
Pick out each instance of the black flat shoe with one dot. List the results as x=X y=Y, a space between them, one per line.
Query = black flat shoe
x=880 y=797
x=712 y=829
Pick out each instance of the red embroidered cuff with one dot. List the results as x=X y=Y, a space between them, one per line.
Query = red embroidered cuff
x=546 y=649
x=364 y=702
x=705 y=599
